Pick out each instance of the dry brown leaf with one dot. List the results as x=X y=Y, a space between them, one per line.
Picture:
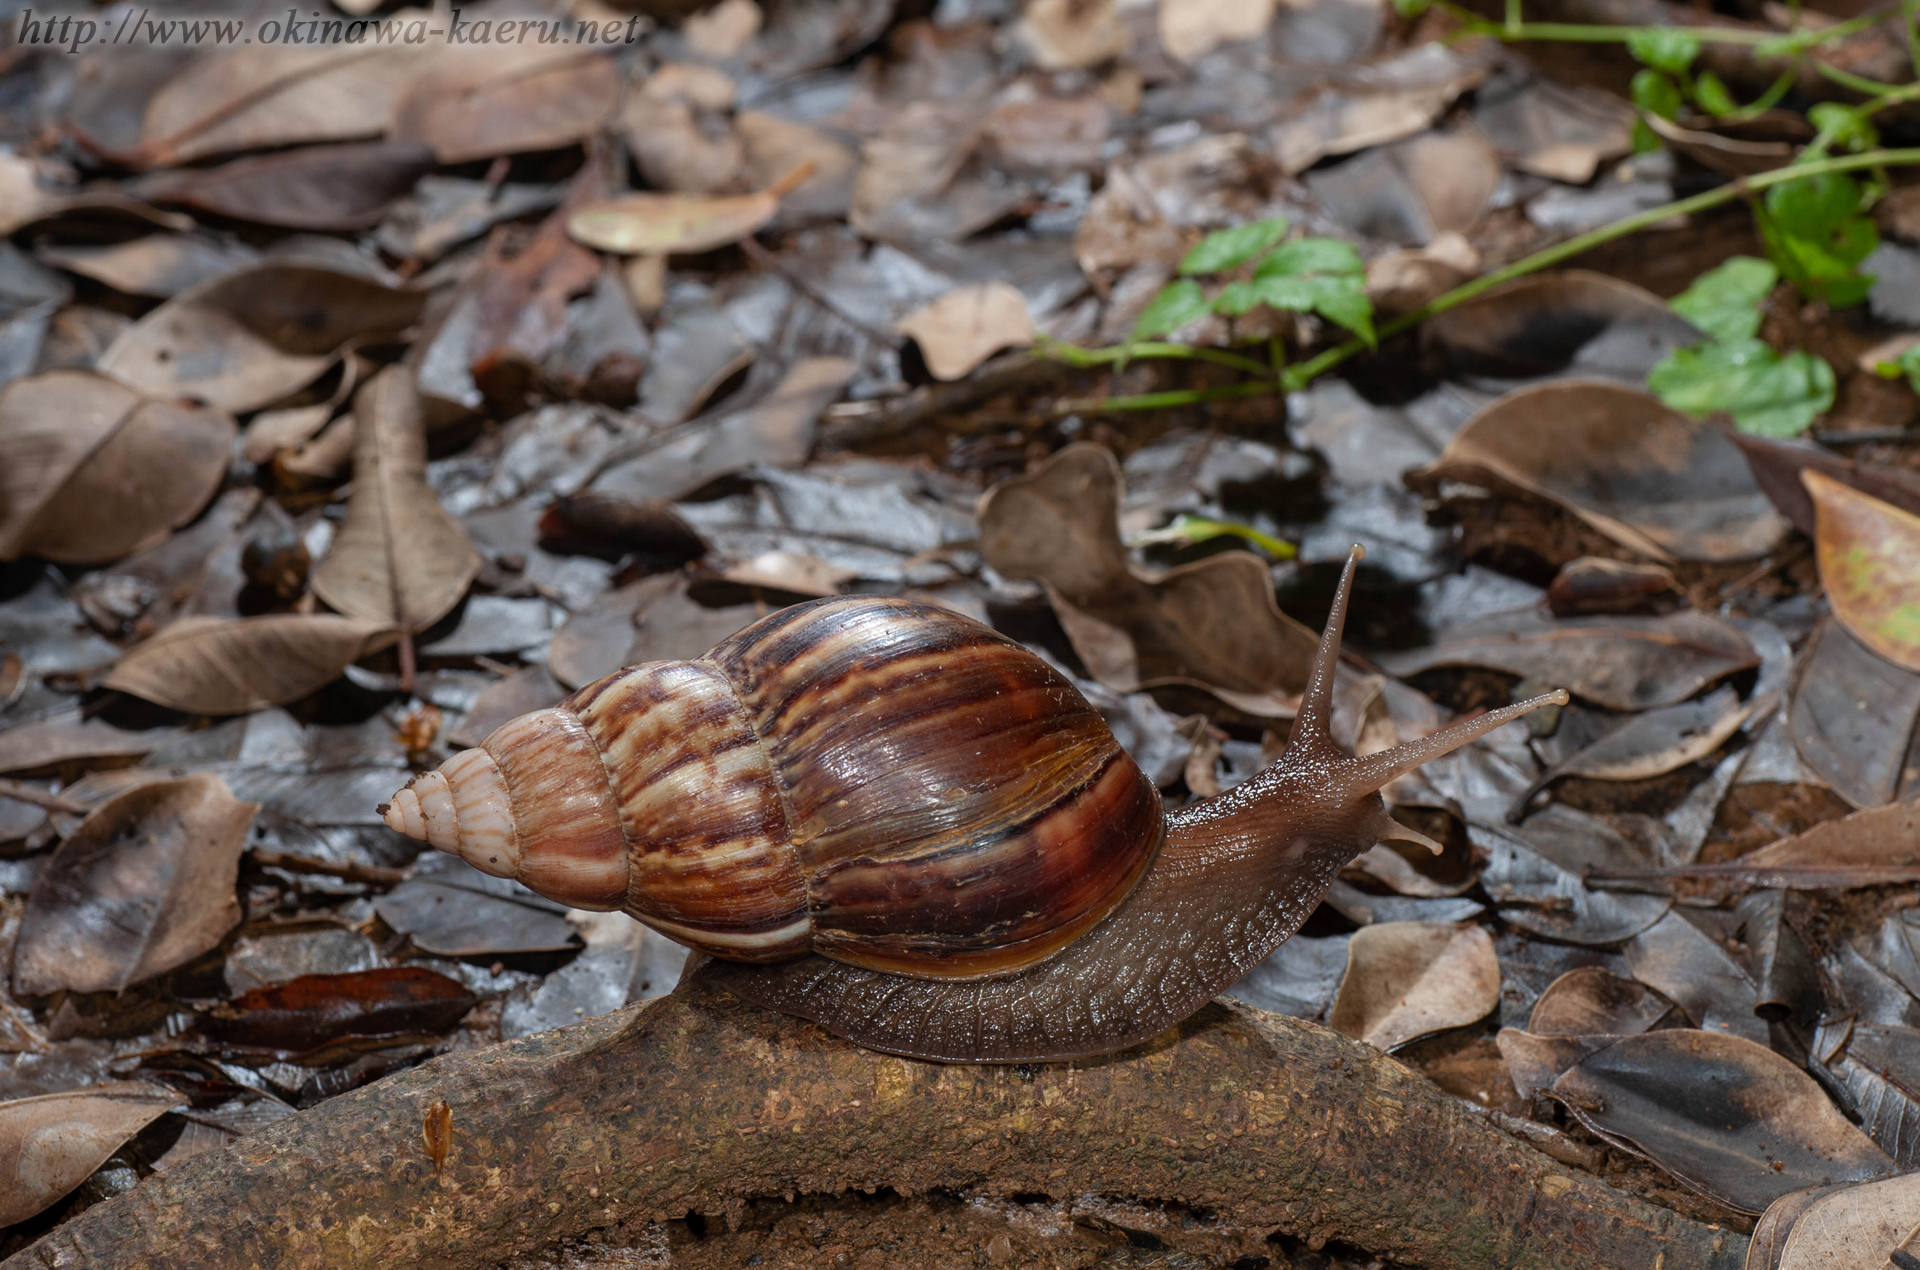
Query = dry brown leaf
x=72 y=443
x=159 y=265
x=145 y=884
x=1728 y=1117
x=1373 y=104
x=249 y=338
x=274 y=95
x=332 y=187
x=1406 y=980
x=505 y=99
x=1651 y=744
x=1866 y=549
x=1594 y=1001
x=1065 y=35
x=1777 y=466
x=272 y=431
x=680 y=133
x=399 y=559
x=1560 y=131
x=1644 y=475
x=1852 y=718
x=1213 y=622
x=674 y=224
x=774 y=146
x=1850 y=1227
x=1622 y=663
x=1881 y=844
x=210 y=665
x=50 y=1144
x=967 y=325
x=1191 y=29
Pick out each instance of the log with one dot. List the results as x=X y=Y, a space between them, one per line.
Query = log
x=697 y=1102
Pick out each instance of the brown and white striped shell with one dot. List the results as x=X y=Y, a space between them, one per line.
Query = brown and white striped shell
x=886 y=783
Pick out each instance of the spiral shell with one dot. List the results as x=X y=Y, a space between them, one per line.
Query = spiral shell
x=889 y=784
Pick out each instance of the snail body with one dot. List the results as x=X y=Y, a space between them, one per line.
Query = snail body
x=889 y=819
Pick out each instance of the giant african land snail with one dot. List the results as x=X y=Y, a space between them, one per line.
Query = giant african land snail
x=889 y=819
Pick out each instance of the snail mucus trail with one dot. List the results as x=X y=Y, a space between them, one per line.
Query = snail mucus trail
x=889 y=819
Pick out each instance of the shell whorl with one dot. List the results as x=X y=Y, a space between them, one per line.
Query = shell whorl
x=886 y=783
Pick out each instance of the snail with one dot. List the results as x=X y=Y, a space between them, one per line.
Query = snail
x=889 y=819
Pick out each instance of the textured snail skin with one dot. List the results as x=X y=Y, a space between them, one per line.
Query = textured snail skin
x=1238 y=874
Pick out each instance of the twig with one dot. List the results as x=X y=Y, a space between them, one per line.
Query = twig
x=372 y=874
x=21 y=792
x=767 y=260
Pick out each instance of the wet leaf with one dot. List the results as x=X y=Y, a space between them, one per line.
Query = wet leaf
x=1535 y=875
x=50 y=1144
x=1645 y=476
x=528 y=689
x=1594 y=584
x=253 y=336
x=1300 y=978
x=1879 y=1068
x=211 y=665
x=1560 y=131
x=399 y=559
x=1651 y=744
x=65 y=736
x=451 y=909
x=1844 y=1227
x=1730 y=1118
x=302 y=1015
x=72 y=442
x=158 y=265
x=145 y=884
x=507 y=98
x=1864 y=547
x=1594 y=1001
x=316 y=187
x=778 y=431
x=1852 y=718
x=624 y=961
x=1622 y=663
x=1213 y=622
x=1406 y=980
x=1370 y=104
x=1698 y=974
x=968 y=325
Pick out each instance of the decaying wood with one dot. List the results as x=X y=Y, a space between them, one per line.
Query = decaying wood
x=698 y=1101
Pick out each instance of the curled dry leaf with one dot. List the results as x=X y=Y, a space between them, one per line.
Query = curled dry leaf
x=50 y=1144
x=1406 y=980
x=1847 y=1226
x=1777 y=466
x=967 y=325
x=73 y=443
x=1730 y=1118
x=145 y=884
x=211 y=665
x=1594 y=1001
x=1698 y=974
x=673 y=224
x=1644 y=475
x=1866 y=549
x=1650 y=744
x=1623 y=663
x=508 y=98
x=1213 y=622
x=400 y=558
x=251 y=337
x=1852 y=718
x=1566 y=322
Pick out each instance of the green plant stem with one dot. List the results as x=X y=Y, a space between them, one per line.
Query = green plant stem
x=1593 y=33
x=1300 y=374
x=1115 y=354
x=1162 y=400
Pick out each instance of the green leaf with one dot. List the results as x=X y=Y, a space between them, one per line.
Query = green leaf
x=1411 y=8
x=1225 y=248
x=1340 y=298
x=1724 y=301
x=1311 y=255
x=1712 y=94
x=1815 y=231
x=1655 y=94
x=1663 y=48
x=1645 y=140
x=1343 y=301
x=1178 y=303
x=1187 y=530
x=1766 y=394
x=1850 y=129
x=1907 y=363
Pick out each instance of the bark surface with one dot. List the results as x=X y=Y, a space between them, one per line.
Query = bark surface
x=699 y=1101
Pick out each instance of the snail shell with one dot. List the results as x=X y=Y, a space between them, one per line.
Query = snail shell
x=888 y=784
